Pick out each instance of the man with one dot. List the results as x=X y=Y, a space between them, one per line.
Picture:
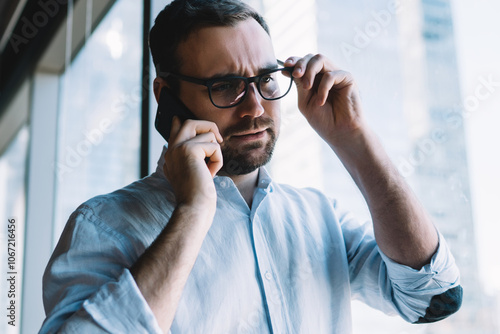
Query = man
x=209 y=243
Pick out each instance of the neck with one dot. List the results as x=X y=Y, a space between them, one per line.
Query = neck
x=246 y=184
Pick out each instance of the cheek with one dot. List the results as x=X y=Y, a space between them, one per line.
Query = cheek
x=274 y=111
x=199 y=104
x=208 y=112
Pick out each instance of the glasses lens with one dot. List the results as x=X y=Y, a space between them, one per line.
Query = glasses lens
x=275 y=85
x=227 y=92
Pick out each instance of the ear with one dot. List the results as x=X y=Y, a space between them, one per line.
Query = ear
x=158 y=85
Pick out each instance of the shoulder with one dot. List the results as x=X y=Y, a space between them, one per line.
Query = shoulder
x=142 y=207
x=306 y=204
x=307 y=195
x=312 y=202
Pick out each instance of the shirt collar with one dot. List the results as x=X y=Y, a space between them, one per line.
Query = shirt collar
x=265 y=181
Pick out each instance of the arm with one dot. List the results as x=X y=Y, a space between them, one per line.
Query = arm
x=163 y=269
x=329 y=100
x=429 y=294
x=429 y=290
x=402 y=228
x=87 y=275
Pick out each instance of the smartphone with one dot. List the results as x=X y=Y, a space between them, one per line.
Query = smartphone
x=169 y=106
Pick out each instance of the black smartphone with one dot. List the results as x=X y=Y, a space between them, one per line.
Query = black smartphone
x=169 y=106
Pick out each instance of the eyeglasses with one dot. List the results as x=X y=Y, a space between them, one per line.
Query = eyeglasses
x=230 y=91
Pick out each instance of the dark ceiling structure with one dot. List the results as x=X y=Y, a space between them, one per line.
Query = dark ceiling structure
x=26 y=27
x=7 y=9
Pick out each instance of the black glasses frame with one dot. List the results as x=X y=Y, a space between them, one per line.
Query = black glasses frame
x=209 y=82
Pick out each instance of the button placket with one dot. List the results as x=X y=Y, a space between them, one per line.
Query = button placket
x=271 y=291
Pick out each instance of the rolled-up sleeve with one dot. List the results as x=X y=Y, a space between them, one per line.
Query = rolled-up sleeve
x=418 y=296
x=429 y=294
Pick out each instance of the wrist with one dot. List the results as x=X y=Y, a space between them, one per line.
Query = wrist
x=363 y=156
x=355 y=143
x=348 y=136
x=197 y=212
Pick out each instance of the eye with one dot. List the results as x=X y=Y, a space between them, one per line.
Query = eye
x=268 y=78
x=222 y=86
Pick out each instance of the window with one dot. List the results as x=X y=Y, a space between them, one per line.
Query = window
x=99 y=121
x=419 y=71
x=12 y=210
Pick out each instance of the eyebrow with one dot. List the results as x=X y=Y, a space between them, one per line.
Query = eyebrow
x=263 y=69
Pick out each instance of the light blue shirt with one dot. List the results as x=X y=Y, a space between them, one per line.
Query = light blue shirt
x=289 y=264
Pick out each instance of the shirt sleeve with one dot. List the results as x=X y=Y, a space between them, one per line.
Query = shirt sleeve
x=87 y=287
x=426 y=295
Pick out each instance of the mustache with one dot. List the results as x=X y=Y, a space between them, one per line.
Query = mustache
x=248 y=124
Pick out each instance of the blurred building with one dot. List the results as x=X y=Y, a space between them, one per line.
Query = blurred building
x=437 y=165
x=403 y=57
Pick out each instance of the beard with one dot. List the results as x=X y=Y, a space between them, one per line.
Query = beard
x=239 y=160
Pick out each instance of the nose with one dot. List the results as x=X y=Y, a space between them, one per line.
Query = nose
x=252 y=105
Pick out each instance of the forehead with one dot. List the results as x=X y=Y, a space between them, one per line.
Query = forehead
x=242 y=49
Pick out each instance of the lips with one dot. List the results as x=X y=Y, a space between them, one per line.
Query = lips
x=250 y=135
x=250 y=128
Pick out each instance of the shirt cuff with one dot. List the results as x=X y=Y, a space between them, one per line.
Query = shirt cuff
x=119 y=307
x=413 y=289
x=440 y=272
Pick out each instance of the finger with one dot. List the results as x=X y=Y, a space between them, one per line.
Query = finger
x=207 y=137
x=301 y=65
x=192 y=128
x=215 y=162
x=315 y=66
x=203 y=150
x=332 y=80
x=291 y=61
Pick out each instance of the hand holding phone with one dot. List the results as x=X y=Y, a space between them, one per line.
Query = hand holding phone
x=190 y=141
x=169 y=105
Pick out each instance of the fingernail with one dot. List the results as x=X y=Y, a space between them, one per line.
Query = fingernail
x=289 y=61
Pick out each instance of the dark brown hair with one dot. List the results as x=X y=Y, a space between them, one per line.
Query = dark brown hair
x=181 y=17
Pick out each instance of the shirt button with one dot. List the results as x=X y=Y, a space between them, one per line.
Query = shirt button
x=268 y=275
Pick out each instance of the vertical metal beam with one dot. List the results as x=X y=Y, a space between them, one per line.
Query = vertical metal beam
x=40 y=197
x=145 y=90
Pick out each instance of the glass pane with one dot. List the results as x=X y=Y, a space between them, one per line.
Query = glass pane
x=409 y=59
x=99 y=122
x=12 y=213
